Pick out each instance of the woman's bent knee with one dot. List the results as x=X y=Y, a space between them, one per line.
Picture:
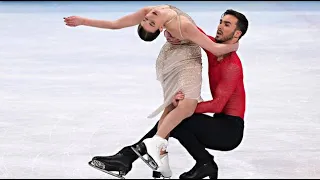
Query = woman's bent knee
x=187 y=106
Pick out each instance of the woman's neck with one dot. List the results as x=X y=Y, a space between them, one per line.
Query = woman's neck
x=169 y=16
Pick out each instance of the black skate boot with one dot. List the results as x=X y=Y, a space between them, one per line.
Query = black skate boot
x=121 y=162
x=202 y=170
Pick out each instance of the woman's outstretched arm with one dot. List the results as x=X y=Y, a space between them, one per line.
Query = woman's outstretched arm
x=123 y=22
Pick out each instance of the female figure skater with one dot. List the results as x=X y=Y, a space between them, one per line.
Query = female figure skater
x=178 y=67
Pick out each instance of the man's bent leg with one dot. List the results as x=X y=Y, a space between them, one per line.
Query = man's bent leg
x=150 y=134
x=221 y=132
x=188 y=140
x=205 y=165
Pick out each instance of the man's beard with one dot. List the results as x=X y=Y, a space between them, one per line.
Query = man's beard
x=226 y=38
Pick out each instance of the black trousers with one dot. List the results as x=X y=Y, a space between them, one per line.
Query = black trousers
x=198 y=132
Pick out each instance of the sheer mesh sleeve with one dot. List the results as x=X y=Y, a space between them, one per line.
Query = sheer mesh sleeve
x=231 y=76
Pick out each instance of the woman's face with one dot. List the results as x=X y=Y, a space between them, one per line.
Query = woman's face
x=152 y=21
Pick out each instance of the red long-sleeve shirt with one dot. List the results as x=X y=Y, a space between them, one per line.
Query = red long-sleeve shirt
x=226 y=85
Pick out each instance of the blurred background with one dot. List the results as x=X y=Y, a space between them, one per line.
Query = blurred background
x=68 y=94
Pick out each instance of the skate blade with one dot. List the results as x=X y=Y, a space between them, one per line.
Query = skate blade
x=150 y=162
x=92 y=164
x=158 y=175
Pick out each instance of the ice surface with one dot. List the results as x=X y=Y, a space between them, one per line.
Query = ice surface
x=68 y=94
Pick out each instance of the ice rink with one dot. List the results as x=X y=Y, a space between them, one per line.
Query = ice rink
x=68 y=94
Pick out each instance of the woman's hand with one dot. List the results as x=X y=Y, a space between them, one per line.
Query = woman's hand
x=74 y=21
x=179 y=96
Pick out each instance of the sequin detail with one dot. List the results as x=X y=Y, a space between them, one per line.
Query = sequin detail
x=179 y=68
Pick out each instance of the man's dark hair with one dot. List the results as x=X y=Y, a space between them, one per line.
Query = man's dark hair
x=242 y=24
x=147 y=36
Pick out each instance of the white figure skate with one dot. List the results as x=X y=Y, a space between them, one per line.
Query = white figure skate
x=164 y=170
x=151 y=147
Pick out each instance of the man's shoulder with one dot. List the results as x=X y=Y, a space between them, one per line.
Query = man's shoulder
x=235 y=59
x=234 y=56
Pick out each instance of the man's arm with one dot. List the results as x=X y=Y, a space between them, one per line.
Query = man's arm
x=230 y=79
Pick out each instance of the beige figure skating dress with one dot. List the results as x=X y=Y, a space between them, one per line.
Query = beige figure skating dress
x=179 y=68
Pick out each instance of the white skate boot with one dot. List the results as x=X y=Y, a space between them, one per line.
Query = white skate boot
x=151 y=147
x=154 y=146
x=163 y=170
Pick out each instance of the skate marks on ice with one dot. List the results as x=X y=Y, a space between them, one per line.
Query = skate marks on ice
x=53 y=97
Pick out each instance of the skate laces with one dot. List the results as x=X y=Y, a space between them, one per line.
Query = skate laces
x=161 y=147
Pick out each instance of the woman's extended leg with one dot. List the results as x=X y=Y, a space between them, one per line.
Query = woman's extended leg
x=185 y=109
x=154 y=145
